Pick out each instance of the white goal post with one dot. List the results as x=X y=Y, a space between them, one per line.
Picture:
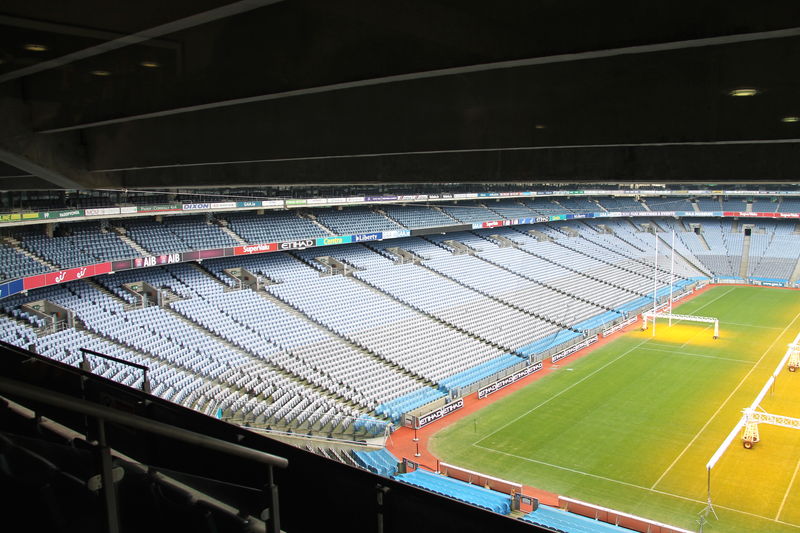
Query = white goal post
x=652 y=316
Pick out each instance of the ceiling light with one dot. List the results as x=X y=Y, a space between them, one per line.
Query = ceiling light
x=34 y=47
x=744 y=92
x=790 y=119
x=149 y=64
x=101 y=73
x=540 y=126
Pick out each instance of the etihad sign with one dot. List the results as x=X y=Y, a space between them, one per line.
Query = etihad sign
x=297 y=245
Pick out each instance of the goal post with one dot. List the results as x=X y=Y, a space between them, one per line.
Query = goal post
x=651 y=316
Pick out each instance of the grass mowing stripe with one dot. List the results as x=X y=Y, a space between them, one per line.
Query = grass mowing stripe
x=673 y=352
x=697 y=435
x=532 y=409
x=788 y=489
x=633 y=485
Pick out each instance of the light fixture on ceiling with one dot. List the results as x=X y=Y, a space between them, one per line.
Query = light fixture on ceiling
x=100 y=72
x=149 y=64
x=35 y=47
x=540 y=126
x=744 y=92
x=790 y=119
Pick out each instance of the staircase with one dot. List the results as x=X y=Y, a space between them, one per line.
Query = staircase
x=14 y=243
x=223 y=225
x=313 y=219
x=703 y=240
x=385 y=214
x=130 y=242
x=795 y=274
x=745 y=261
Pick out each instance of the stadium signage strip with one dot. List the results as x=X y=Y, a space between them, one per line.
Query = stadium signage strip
x=682 y=295
x=443 y=411
x=508 y=380
x=574 y=348
x=615 y=328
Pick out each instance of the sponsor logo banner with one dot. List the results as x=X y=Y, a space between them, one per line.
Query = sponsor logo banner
x=161 y=207
x=355 y=199
x=272 y=203
x=388 y=198
x=337 y=200
x=683 y=295
x=10 y=217
x=433 y=416
x=64 y=214
x=327 y=241
x=317 y=200
x=574 y=348
x=297 y=245
x=617 y=327
x=296 y=202
x=508 y=380
x=215 y=205
x=254 y=203
x=206 y=254
x=153 y=260
x=104 y=211
x=255 y=248
x=395 y=233
x=463 y=195
x=128 y=209
x=494 y=223
x=13 y=287
x=364 y=237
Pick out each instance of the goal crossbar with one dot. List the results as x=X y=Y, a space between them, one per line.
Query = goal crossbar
x=652 y=316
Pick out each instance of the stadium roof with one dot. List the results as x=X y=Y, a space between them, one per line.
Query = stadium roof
x=211 y=92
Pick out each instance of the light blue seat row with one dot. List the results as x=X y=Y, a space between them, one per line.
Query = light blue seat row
x=548 y=342
x=378 y=461
x=395 y=408
x=568 y=522
x=459 y=490
x=479 y=372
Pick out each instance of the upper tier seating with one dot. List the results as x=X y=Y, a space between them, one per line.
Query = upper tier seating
x=274 y=227
x=354 y=220
x=417 y=216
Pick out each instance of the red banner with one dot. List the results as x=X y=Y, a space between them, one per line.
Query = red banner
x=256 y=248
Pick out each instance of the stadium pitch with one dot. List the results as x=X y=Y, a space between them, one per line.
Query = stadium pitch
x=632 y=425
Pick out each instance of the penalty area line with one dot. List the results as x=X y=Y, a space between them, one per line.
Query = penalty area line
x=633 y=485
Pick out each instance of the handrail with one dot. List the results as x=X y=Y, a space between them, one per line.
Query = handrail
x=144 y=369
x=135 y=421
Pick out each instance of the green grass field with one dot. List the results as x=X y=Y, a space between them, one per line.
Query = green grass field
x=632 y=425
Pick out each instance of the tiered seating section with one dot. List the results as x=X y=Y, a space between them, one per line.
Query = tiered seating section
x=559 y=520
x=322 y=352
x=453 y=488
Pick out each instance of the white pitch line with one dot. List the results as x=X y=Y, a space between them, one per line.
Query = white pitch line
x=708 y=422
x=747 y=325
x=562 y=391
x=673 y=352
x=633 y=485
x=788 y=489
